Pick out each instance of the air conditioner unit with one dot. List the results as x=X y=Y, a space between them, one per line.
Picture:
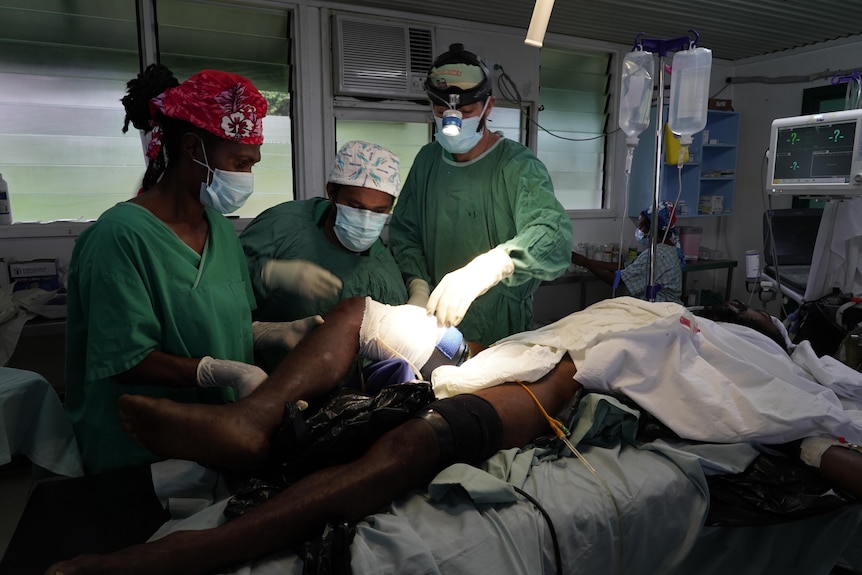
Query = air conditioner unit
x=381 y=58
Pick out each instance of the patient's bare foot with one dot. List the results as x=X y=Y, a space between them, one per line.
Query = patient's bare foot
x=124 y=561
x=227 y=436
x=179 y=553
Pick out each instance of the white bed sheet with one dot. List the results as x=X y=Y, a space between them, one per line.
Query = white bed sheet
x=33 y=423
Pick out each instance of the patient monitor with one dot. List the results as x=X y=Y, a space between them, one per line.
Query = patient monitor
x=816 y=155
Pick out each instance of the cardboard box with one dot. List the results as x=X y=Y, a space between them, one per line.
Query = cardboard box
x=720 y=104
x=41 y=273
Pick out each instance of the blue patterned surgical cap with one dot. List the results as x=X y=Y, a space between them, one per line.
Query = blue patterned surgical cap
x=367 y=165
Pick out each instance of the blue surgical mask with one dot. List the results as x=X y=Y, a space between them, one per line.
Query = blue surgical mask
x=466 y=139
x=227 y=191
x=358 y=229
x=641 y=237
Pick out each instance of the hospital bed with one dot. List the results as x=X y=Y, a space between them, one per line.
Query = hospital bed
x=640 y=510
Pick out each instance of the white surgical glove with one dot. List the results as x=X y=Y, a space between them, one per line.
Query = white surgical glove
x=453 y=296
x=418 y=292
x=285 y=334
x=243 y=377
x=301 y=277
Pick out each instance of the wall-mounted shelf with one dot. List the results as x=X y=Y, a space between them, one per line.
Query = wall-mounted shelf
x=708 y=178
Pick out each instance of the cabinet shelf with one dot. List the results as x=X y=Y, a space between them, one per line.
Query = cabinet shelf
x=702 y=194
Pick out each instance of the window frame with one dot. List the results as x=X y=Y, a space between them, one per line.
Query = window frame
x=147 y=42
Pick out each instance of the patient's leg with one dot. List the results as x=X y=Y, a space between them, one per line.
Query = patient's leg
x=404 y=458
x=843 y=467
x=236 y=435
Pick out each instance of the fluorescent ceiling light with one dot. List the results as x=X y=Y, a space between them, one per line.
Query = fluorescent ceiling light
x=539 y=23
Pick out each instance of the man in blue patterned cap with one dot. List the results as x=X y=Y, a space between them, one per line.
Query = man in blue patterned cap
x=635 y=277
x=305 y=256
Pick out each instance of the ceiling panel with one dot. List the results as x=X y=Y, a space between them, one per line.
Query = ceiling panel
x=732 y=29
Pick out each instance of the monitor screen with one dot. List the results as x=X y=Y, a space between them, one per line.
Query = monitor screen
x=795 y=232
x=817 y=154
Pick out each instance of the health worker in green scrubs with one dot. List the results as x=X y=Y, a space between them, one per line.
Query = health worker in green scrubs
x=159 y=300
x=304 y=256
x=477 y=219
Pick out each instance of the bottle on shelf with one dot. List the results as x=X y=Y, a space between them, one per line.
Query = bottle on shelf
x=5 y=203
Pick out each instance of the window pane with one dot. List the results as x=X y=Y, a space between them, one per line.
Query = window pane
x=63 y=69
x=507 y=121
x=254 y=43
x=403 y=138
x=573 y=95
x=406 y=138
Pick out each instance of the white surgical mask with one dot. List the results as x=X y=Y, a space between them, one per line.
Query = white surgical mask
x=358 y=229
x=227 y=191
x=641 y=237
x=466 y=139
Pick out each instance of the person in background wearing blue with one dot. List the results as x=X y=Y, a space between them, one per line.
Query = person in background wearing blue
x=305 y=256
x=159 y=299
x=635 y=276
x=477 y=219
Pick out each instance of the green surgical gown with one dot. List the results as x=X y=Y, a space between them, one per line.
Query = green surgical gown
x=450 y=212
x=135 y=287
x=293 y=230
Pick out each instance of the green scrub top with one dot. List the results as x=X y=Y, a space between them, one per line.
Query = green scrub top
x=135 y=287
x=450 y=212
x=293 y=230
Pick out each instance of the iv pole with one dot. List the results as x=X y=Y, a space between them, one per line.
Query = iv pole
x=662 y=47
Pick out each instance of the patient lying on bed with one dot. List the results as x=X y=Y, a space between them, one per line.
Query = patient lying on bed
x=468 y=428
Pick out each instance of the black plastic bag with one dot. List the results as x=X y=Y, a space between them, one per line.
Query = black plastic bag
x=773 y=489
x=817 y=324
x=338 y=431
x=329 y=554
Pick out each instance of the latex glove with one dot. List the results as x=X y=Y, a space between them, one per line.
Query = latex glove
x=418 y=292
x=301 y=277
x=285 y=334
x=243 y=377
x=453 y=296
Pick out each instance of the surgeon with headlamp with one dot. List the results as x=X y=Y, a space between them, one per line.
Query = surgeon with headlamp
x=477 y=219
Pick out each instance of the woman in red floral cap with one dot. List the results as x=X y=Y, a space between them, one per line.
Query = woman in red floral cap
x=159 y=298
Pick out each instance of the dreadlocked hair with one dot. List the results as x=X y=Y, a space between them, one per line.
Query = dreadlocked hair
x=139 y=91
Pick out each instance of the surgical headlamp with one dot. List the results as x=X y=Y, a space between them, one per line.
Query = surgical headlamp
x=452 y=117
x=441 y=89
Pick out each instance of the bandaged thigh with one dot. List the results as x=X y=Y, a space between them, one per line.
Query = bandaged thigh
x=409 y=333
x=468 y=428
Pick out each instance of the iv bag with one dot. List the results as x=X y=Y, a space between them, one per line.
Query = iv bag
x=636 y=93
x=853 y=95
x=689 y=92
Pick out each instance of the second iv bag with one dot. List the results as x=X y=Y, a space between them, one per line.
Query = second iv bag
x=636 y=94
x=689 y=92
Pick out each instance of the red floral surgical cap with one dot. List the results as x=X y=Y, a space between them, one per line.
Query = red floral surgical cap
x=221 y=103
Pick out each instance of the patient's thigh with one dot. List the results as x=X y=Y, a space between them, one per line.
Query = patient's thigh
x=522 y=419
